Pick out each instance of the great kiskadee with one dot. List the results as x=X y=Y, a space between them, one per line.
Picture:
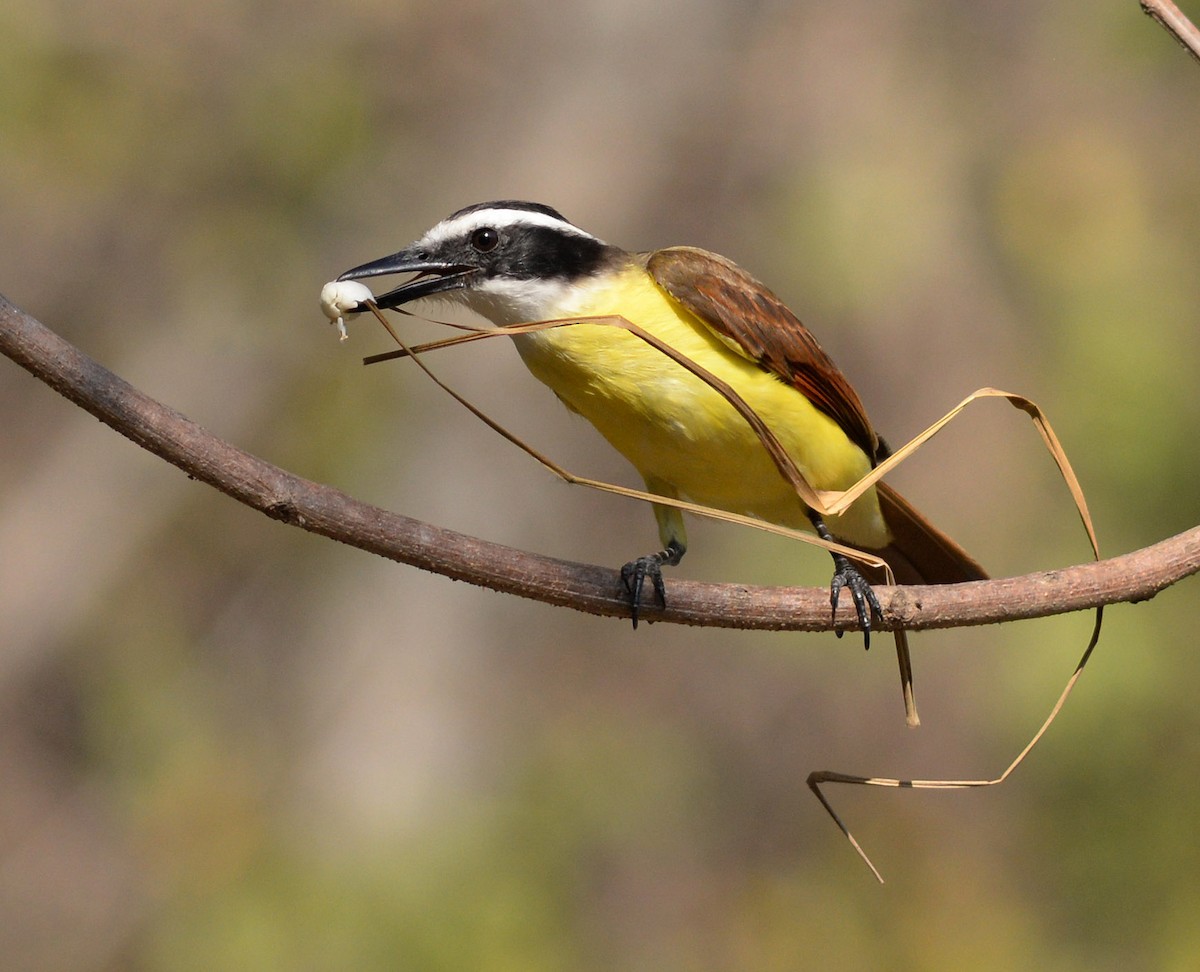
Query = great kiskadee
x=514 y=262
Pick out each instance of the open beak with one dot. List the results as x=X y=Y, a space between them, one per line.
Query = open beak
x=432 y=277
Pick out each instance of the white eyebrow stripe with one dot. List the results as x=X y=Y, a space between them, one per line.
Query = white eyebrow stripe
x=464 y=225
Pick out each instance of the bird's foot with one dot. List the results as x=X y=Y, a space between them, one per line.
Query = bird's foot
x=635 y=574
x=846 y=575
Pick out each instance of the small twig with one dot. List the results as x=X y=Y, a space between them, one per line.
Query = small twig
x=1176 y=22
x=594 y=590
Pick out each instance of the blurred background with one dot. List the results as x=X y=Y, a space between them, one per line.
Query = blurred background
x=228 y=744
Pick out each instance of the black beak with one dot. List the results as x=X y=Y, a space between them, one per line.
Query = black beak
x=433 y=277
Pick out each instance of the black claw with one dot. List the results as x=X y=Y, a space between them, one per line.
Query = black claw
x=635 y=573
x=865 y=602
x=845 y=574
x=633 y=577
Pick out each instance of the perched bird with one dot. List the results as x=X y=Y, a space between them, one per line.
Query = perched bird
x=515 y=262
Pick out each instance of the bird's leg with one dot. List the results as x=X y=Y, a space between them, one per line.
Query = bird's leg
x=634 y=574
x=846 y=575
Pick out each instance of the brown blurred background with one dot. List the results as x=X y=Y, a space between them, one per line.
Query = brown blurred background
x=226 y=744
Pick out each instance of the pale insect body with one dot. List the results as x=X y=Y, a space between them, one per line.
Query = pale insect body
x=341 y=299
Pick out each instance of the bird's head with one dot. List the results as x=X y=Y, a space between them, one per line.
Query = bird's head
x=509 y=261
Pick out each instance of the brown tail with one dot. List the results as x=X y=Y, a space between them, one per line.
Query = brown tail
x=919 y=552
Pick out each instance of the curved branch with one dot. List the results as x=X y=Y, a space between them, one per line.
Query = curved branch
x=595 y=590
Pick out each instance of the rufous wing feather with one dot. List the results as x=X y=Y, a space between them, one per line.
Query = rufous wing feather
x=752 y=321
x=755 y=323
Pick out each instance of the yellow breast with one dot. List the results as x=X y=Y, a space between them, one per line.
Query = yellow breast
x=677 y=429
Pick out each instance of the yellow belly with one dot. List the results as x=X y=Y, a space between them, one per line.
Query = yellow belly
x=679 y=431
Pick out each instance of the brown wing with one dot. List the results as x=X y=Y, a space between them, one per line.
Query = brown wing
x=751 y=320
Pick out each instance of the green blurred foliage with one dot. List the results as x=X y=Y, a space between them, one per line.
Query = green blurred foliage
x=227 y=744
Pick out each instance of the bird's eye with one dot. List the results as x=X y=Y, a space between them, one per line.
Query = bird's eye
x=484 y=239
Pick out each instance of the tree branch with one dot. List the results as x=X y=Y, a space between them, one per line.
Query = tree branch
x=594 y=590
x=1176 y=23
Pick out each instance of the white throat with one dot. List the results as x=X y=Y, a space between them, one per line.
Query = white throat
x=506 y=301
